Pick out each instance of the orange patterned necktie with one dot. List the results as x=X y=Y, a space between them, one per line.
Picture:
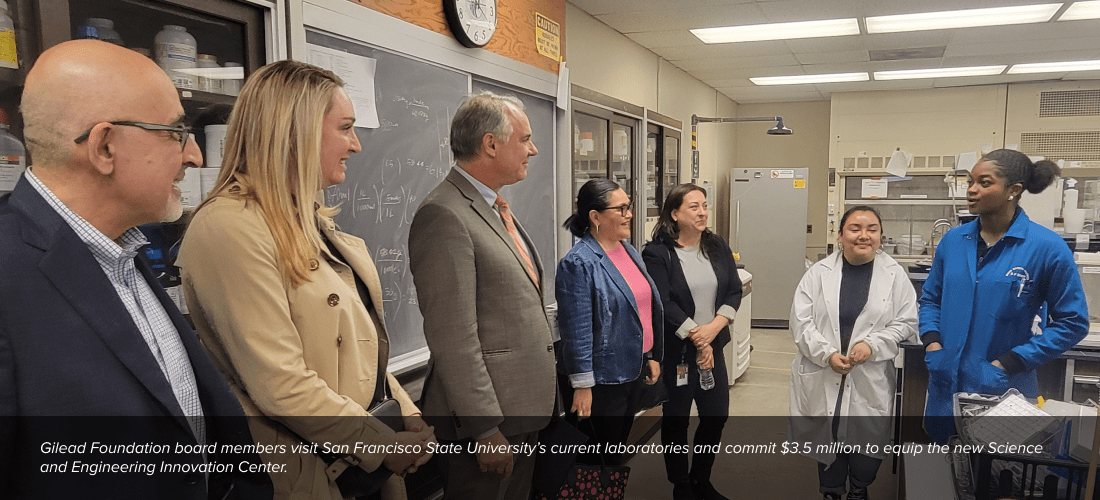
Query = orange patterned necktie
x=510 y=225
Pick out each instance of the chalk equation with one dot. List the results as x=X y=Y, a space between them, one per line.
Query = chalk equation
x=394 y=169
x=391 y=263
x=416 y=107
x=381 y=204
x=395 y=297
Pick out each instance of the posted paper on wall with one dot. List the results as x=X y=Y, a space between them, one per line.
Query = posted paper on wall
x=875 y=188
x=899 y=163
x=358 y=75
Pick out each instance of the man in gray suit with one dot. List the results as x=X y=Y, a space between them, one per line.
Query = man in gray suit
x=477 y=279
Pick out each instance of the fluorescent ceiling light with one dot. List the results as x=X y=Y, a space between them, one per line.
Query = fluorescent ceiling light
x=1081 y=10
x=996 y=16
x=778 y=31
x=797 y=79
x=1054 y=67
x=909 y=74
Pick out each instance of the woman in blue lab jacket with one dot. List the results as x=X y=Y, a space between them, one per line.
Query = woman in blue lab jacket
x=989 y=280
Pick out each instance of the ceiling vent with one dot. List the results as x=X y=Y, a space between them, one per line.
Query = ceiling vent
x=1082 y=146
x=903 y=54
x=1057 y=103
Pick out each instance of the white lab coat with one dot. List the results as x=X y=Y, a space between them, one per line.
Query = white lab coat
x=888 y=318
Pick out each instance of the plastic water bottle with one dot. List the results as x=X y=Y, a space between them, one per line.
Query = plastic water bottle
x=706 y=377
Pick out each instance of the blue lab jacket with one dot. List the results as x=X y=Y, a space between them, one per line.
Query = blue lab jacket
x=984 y=311
x=598 y=319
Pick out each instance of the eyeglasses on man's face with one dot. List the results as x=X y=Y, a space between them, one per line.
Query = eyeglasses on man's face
x=623 y=209
x=179 y=132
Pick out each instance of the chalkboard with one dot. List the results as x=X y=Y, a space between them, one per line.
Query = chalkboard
x=406 y=157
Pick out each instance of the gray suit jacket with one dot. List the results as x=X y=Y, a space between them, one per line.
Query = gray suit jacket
x=492 y=352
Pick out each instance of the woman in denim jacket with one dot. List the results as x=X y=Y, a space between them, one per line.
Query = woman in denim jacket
x=610 y=318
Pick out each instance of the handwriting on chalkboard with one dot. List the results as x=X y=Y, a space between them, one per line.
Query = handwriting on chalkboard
x=416 y=107
x=377 y=203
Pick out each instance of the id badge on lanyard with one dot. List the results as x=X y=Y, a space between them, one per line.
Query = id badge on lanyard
x=682 y=369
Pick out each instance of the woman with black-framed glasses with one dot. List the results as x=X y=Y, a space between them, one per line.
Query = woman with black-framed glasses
x=610 y=317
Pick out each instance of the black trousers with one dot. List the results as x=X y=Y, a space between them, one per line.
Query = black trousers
x=713 y=406
x=611 y=420
x=861 y=470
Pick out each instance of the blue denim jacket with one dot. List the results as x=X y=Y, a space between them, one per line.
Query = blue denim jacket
x=598 y=318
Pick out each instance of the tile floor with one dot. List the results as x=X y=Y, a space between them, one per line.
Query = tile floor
x=759 y=402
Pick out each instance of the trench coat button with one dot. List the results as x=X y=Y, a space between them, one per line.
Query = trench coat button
x=339 y=340
x=191 y=479
x=333 y=300
x=313 y=264
x=549 y=348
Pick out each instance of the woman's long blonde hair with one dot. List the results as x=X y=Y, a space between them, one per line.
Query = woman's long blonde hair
x=274 y=138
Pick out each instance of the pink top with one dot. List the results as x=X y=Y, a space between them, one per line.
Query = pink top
x=643 y=294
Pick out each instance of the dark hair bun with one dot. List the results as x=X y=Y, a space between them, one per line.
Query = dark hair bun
x=1041 y=176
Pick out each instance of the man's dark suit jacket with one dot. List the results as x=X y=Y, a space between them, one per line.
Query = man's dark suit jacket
x=74 y=369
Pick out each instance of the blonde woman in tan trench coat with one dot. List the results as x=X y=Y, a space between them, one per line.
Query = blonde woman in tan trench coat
x=273 y=289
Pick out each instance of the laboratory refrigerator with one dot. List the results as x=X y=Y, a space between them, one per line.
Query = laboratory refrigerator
x=768 y=230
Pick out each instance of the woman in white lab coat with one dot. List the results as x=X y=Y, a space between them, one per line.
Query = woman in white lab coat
x=850 y=312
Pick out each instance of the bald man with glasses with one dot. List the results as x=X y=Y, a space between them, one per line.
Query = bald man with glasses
x=86 y=331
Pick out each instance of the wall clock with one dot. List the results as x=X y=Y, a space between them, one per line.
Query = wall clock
x=472 y=22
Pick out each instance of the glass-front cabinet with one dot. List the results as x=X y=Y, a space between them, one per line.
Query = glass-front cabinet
x=207 y=48
x=662 y=166
x=916 y=210
x=603 y=147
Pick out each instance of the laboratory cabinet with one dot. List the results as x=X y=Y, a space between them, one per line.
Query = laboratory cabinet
x=738 y=350
x=233 y=35
x=236 y=32
x=916 y=210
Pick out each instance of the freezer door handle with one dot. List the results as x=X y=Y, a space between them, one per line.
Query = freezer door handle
x=736 y=227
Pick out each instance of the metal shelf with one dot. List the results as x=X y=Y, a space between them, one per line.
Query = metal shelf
x=918 y=201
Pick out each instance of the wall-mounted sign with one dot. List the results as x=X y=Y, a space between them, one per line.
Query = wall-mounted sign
x=548 y=37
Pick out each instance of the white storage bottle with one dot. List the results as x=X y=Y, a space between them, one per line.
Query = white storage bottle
x=105 y=29
x=9 y=58
x=232 y=87
x=13 y=156
x=209 y=84
x=1070 y=195
x=177 y=49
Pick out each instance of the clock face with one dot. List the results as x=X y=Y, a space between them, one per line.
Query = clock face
x=473 y=22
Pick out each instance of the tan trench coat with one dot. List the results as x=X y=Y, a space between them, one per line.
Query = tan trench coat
x=310 y=351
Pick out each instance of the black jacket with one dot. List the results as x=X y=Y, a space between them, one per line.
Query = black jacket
x=664 y=266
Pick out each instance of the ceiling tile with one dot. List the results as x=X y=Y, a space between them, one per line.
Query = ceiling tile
x=690 y=65
x=1021 y=47
x=661 y=26
x=848 y=56
x=675 y=38
x=600 y=7
x=751 y=49
x=685 y=18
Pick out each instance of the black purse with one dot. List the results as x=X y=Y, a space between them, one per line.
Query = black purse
x=352 y=480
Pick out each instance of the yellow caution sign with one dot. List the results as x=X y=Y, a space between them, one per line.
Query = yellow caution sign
x=548 y=37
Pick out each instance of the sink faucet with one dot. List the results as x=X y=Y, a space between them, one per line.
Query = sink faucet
x=932 y=236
